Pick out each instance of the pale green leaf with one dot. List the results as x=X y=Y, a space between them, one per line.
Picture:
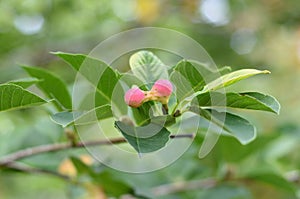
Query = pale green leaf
x=148 y=67
x=232 y=78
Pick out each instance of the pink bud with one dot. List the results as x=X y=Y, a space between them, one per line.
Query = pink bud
x=134 y=97
x=163 y=87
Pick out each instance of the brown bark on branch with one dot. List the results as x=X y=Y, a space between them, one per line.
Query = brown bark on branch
x=10 y=158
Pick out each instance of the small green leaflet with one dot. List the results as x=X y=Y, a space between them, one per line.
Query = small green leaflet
x=144 y=139
x=15 y=97
x=246 y=100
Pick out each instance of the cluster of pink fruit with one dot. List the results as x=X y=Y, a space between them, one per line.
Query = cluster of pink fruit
x=161 y=91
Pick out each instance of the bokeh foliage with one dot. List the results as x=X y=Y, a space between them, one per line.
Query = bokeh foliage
x=260 y=34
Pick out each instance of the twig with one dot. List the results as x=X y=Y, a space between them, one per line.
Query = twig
x=167 y=189
x=27 y=169
x=55 y=147
x=192 y=136
x=63 y=146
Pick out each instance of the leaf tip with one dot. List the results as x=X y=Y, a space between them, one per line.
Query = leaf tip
x=54 y=52
x=266 y=71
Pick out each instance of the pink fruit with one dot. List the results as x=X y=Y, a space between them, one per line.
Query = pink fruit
x=163 y=88
x=134 y=97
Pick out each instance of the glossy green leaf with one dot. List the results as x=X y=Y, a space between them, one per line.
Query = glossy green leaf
x=15 y=97
x=52 y=86
x=25 y=82
x=148 y=67
x=228 y=123
x=67 y=118
x=232 y=78
x=97 y=73
x=144 y=139
x=246 y=100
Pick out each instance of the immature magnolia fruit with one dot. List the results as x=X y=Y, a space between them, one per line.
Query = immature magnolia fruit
x=162 y=88
x=134 y=97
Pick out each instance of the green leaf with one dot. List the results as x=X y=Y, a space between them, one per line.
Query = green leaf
x=81 y=167
x=107 y=181
x=272 y=179
x=226 y=191
x=25 y=82
x=232 y=78
x=75 y=60
x=97 y=73
x=246 y=100
x=67 y=118
x=144 y=139
x=15 y=97
x=111 y=185
x=148 y=67
x=190 y=77
x=52 y=86
x=230 y=124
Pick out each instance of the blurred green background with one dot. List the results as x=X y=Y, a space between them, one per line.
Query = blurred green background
x=261 y=34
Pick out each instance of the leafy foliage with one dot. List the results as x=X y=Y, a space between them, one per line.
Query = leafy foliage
x=193 y=92
x=146 y=129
